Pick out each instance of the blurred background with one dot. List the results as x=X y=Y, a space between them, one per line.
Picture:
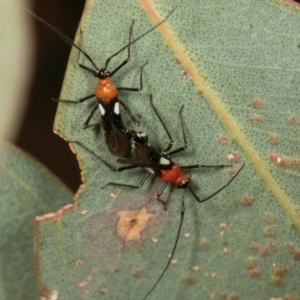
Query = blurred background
x=36 y=134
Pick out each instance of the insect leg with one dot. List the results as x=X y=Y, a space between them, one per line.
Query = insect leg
x=160 y=193
x=184 y=147
x=141 y=82
x=219 y=190
x=115 y=169
x=171 y=142
x=128 y=111
x=86 y=123
x=142 y=181
x=75 y=101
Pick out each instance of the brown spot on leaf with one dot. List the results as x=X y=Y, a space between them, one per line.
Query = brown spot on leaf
x=88 y=278
x=273 y=138
x=256 y=119
x=290 y=296
x=78 y=262
x=234 y=157
x=138 y=273
x=49 y=294
x=270 y=231
x=131 y=223
x=257 y=103
x=103 y=291
x=254 y=272
x=204 y=244
x=191 y=280
x=247 y=200
x=230 y=296
x=223 y=140
x=196 y=268
x=269 y=218
x=293 y=120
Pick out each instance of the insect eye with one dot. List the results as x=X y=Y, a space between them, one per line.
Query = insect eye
x=184 y=184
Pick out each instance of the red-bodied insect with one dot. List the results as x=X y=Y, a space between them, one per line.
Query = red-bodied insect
x=106 y=92
x=160 y=164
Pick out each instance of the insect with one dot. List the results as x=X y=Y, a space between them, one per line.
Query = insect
x=161 y=165
x=106 y=92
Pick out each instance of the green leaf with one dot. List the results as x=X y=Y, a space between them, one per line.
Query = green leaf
x=240 y=102
x=26 y=190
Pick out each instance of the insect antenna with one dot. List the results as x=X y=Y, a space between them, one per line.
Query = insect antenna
x=62 y=36
x=68 y=40
x=145 y=33
x=174 y=248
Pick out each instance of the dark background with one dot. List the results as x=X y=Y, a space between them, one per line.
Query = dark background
x=36 y=134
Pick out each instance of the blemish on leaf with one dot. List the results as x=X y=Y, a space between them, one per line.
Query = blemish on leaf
x=49 y=294
x=295 y=251
x=247 y=200
x=138 y=273
x=276 y=280
x=88 y=278
x=256 y=119
x=223 y=225
x=131 y=223
x=234 y=157
x=273 y=138
x=291 y=296
x=184 y=74
x=103 y=291
x=56 y=215
x=285 y=162
x=254 y=272
x=210 y=274
x=272 y=245
x=174 y=261
x=191 y=280
x=85 y=292
x=187 y=234
x=251 y=262
x=196 y=268
x=78 y=262
x=232 y=172
x=113 y=195
x=84 y=212
x=203 y=244
x=270 y=231
x=264 y=252
x=223 y=140
x=269 y=218
x=199 y=92
x=257 y=103
x=225 y=249
x=254 y=247
x=280 y=272
x=230 y=296
x=154 y=240
x=276 y=157
x=293 y=120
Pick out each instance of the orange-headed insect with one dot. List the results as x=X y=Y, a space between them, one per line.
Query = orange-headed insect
x=106 y=92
